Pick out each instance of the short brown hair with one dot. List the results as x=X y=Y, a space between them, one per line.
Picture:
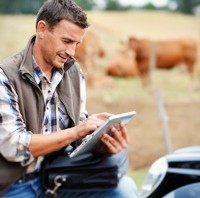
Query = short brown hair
x=53 y=11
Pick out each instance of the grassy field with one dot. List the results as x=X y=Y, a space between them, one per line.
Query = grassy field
x=182 y=104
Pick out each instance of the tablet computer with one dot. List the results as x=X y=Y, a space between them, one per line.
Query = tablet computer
x=92 y=141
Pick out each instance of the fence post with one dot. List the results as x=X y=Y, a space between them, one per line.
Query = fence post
x=159 y=102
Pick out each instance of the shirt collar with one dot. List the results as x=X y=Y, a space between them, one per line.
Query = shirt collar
x=39 y=74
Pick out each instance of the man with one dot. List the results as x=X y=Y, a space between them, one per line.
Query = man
x=42 y=104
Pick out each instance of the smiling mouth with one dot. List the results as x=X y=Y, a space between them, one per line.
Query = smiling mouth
x=63 y=57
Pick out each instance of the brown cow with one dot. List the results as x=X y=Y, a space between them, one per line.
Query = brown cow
x=123 y=64
x=167 y=54
x=86 y=54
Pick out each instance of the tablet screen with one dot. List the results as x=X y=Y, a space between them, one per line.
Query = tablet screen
x=91 y=142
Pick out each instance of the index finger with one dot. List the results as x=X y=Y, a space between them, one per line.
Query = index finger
x=103 y=115
x=124 y=133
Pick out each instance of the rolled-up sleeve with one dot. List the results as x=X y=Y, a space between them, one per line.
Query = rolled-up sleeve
x=14 y=138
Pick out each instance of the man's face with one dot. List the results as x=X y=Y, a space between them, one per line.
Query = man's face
x=58 y=44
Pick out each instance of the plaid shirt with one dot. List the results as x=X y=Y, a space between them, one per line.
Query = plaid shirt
x=14 y=138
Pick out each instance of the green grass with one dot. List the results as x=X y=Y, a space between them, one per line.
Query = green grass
x=138 y=176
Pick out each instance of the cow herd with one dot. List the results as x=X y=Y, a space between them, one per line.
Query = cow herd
x=138 y=57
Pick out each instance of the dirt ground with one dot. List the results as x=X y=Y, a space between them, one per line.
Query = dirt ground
x=146 y=137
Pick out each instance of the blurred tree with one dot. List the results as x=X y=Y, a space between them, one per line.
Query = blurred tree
x=86 y=4
x=115 y=5
x=31 y=7
x=20 y=6
x=186 y=6
x=112 y=5
x=149 y=6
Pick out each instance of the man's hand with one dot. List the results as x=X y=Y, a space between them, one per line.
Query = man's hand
x=116 y=141
x=91 y=124
x=43 y=144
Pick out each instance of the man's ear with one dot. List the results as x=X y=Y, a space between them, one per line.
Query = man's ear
x=41 y=28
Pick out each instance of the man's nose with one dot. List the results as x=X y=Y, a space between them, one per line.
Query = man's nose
x=71 y=50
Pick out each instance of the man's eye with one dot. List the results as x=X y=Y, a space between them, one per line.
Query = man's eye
x=67 y=41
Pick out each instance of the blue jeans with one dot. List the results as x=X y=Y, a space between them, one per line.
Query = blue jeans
x=33 y=189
